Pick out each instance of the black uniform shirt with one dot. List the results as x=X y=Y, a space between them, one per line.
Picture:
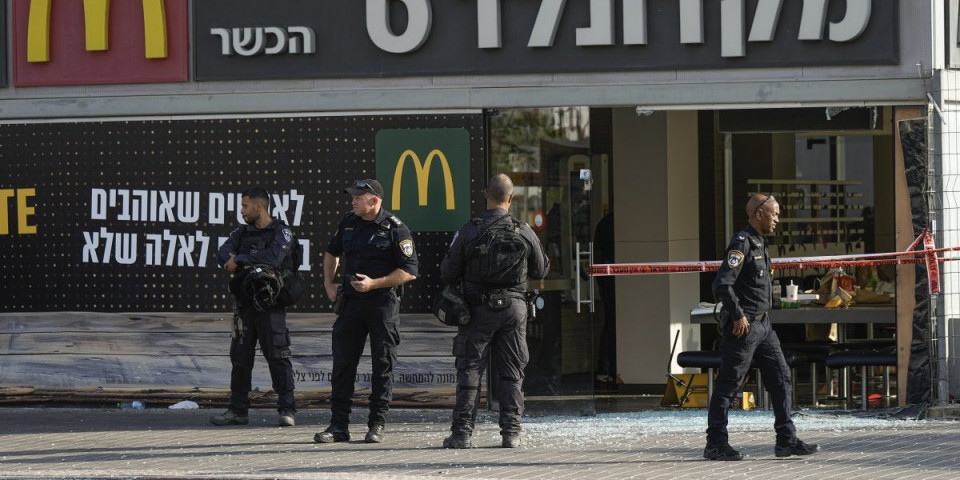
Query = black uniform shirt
x=453 y=265
x=743 y=283
x=256 y=246
x=374 y=248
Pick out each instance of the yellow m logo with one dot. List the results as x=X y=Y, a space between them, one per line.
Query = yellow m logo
x=96 y=21
x=423 y=176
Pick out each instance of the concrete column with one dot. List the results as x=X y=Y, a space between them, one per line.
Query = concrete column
x=656 y=220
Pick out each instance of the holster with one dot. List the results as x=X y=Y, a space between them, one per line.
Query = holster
x=338 y=303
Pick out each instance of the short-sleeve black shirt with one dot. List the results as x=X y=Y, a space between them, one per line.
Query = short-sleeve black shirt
x=374 y=248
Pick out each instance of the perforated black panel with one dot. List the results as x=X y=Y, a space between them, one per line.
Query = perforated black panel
x=127 y=216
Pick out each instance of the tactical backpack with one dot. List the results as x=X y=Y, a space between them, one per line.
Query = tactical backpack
x=497 y=257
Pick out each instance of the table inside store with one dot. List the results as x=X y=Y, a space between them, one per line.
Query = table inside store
x=811 y=313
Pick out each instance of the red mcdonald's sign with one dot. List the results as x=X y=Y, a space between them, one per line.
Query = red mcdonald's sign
x=73 y=42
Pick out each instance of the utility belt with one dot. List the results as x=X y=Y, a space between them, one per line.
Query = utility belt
x=342 y=299
x=726 y=318
x=497 y=299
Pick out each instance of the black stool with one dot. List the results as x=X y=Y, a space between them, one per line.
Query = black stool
x=711 y=361
x=816 y=353
x=864 y=359
x=701 y=359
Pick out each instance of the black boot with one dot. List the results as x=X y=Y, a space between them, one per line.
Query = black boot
x=795 y=447
x=722 y=452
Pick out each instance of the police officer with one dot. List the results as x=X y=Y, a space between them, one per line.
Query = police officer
x=743 y=285
x=378 y=256
x=499 y=317
x=262 y=242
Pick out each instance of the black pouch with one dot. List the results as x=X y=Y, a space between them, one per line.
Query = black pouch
x=498 y=301
x=338 y=303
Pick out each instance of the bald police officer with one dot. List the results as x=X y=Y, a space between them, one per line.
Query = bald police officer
x=499 y=315
x=262 y=241
x=743 y=285
x=378 y=256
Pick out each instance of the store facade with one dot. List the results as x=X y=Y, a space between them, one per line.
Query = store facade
x=665 y=112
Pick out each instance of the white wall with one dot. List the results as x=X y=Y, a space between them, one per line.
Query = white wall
x=656 y=216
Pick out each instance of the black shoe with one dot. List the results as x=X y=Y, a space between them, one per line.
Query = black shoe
x=287 y=419
x=512 y=441
x=722 y=452
x=375 y=434
x=332 y=434
x=458 y=440
x=798 y=447
x=229 y=418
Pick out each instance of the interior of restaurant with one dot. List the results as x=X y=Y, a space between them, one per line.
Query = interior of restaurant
x=832 y=170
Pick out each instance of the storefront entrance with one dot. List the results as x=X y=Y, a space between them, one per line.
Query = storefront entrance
x=560 y=189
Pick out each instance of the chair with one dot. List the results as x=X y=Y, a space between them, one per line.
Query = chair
x=864 y=358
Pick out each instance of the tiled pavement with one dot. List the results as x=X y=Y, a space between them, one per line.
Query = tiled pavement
x=160 y=443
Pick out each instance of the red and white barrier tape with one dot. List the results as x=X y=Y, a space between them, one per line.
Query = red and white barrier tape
x=907 y=257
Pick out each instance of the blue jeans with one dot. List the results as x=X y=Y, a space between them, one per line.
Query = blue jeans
x=762 y=348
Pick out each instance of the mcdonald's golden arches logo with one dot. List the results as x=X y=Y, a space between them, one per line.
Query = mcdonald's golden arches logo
x=428 y=176
x=423 y=176
x=107 y=34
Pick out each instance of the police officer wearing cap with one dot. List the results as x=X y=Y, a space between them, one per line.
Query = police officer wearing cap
x=743 y=286
x=499 y=318
x=378 y=255
x=259 y=246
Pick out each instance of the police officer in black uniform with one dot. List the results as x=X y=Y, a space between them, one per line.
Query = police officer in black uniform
x=262 y=242
x=378 y=256
x=499 y=317
x=743 y=285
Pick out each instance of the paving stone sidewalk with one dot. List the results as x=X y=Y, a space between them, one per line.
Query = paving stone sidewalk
x=161 y=443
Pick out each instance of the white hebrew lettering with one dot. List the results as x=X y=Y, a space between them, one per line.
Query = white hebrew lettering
x=248 y=41
x=126 y=248
x=281 y=40
x=188 y=206
x=488 y=24
x=304 y=36
x=733 y=41
x=854 y=22
x=224 y=35
x=419 y=20
x=691 y=21
x=545 y=27
x=98 y=204
x=600 y=31
x=634 y=22
x=91 y=241
x=765 y=20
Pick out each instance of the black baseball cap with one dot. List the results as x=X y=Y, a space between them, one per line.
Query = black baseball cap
x=368 y=185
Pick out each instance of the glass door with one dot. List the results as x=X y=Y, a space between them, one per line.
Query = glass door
x=553 y=175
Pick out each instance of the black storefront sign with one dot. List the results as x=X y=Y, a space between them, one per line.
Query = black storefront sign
x=128 y=216
x=253 y=39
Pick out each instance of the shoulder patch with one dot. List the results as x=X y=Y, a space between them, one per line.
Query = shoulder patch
x=287 y=235
x=734 y=258
x=406 y=246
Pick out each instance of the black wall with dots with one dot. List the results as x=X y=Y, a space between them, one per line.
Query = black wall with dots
x=128 y=215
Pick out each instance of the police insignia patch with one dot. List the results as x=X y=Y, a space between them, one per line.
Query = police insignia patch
x=406 y=246
x=735 y=258
x=287 y=235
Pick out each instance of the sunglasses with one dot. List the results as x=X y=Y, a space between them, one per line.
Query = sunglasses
x=361 y=184
x=761 y=204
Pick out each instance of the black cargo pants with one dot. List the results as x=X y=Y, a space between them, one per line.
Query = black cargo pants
x=506 y=330
x=376 y=315
x=270 y=329
x=736 y=354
